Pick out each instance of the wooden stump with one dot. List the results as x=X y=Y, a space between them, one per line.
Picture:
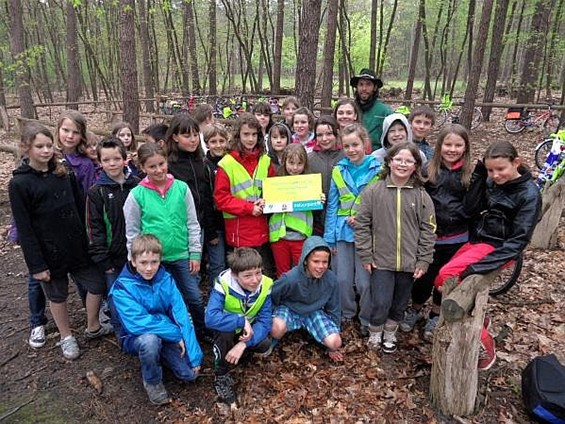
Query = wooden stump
x=553 y=203
x=4 y=118
x=455 y=353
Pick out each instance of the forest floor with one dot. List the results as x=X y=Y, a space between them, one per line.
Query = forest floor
x=297 y=383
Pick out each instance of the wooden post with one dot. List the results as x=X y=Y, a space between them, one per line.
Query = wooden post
x=553 y=203
x=455 y=353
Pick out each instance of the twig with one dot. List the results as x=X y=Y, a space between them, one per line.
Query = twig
x=30 y=373
x=16 y=409
x=12 y=320
x=9 y=359
x=19 y=330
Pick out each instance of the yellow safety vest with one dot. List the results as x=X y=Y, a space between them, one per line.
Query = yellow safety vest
x=242 y=185
x=300 y=221
x=236 y=306
x=348 y=202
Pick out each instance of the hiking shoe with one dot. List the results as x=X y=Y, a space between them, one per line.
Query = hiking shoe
x=103 y=330
x=157 y=393
x=487 y=352
x=364 y=331
x=431 y=324
x=223 y=385
x=104 y=313
x=70 y=348
x=375 y=337
x=37 y=337
x=411 y=317
x=389 y=340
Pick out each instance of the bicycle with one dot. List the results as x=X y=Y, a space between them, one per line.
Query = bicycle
x=519 y=118
x=554 y=166
x=447 y=112
x=222 y=109
x=508 y=276
x=543 y=148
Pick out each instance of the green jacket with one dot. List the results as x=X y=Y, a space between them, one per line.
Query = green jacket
x=373 y=122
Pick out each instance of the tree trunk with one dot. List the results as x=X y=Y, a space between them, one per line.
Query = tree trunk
x=552 y=50
x=534 y=49
x=553 y=203
x=414 y=57
x=382 y=58
x=454 y=377
x=128 y=64
x=23 y=77
x=277 y=60
x=196 y=88
x=329 y=51
x=212 y=67
x=73 y=65
x=307 y=52
x=2 y=92
x=146 y=57
x=373 y=46
x=477 y=66
x=497 y=47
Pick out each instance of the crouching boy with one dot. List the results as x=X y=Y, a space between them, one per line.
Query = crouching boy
x=308 y=297
x=155 y=324
x=239 y=312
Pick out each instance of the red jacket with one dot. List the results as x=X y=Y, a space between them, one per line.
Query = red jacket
x=245 y=229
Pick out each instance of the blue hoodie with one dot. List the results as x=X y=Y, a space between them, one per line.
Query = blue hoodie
x=303 y=294
x=153 y=307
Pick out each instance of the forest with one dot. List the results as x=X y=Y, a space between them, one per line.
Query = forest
x=130 y=51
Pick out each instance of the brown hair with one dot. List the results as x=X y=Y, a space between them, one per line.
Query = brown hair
x=427 y=111
x=201 y=112
x=304 y=111
x=146 y=243
x=348 y=101
x=147 y=150
x=29 y=132
x=359 y=130
x=243 y=259
x=111 y=142
x=501 y=149
x=78 y=119
x=215 y=129
x=120 y=126
x=294 y=150
x=414 y=151
x=249 y=120
x=181 y=124
x=434 y=165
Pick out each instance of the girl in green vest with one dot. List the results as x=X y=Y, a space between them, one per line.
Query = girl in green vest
x=288 y=230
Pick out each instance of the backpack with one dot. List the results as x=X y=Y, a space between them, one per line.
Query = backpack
x=543 y=389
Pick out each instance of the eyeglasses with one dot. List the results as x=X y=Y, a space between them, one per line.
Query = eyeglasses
x=400 y=161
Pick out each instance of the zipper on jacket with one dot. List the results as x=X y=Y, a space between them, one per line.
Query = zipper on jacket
x=398 y=229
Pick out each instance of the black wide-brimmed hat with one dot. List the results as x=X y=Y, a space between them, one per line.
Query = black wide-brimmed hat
x=367 y=74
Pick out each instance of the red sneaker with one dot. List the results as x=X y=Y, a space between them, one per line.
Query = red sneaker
x=487 y=353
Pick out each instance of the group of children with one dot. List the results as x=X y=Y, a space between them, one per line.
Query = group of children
x=134 y=230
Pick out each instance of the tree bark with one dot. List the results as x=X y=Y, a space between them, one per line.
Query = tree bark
x=196 y=88
x=534 y=50
x=277 y=60
x=146 y=57
x=477 y=66
x=73 y=65
x=414 y=56
x=553 y=203
x=329 y=51
x=373 y=45
x=212 y=66
x=497 y=45
x=23 y=77
x=128 y=65
x=307 y=52
x=552 y=50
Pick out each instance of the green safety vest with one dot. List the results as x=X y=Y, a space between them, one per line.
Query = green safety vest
x=300 y=221
x=236 y=306
x=242 y=185
x=348 y=202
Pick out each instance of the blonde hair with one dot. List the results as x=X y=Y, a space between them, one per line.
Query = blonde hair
x=294 y=150
x=29 y=132
x=78 y=119
x=146 y=243
x=434 y=165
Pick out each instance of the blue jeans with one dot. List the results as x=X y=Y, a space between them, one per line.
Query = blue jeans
x=216 y=258
x=37 y=302
x=188 y=285
x=152 y=351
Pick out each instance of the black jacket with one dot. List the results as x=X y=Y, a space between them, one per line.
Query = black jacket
x=507 y=216
x=448 y=195
x=47 y=211
x=191 y=170
x=211 y=165
x=105 y=223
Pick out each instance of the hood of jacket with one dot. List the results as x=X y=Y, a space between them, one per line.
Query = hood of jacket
x=387 y=123
x=311 y=243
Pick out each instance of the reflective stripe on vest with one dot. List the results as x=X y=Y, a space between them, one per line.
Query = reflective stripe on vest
x=348 y=202
x=235 y=305
x=242 y=185
x=299 y=221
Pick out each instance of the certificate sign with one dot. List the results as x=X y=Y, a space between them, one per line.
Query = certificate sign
x=293 y=193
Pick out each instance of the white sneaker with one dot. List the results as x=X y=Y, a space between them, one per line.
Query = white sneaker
x=37 y=337
x=70 y=348
x=389 y=340
x=375 y=337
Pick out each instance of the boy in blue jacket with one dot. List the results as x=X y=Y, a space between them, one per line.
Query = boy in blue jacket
x=155 y=324
x=308 y=297
x=239 y=312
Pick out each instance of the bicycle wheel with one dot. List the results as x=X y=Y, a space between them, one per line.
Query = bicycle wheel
x=477 y=118
x=514 y=126
x=441 y=118
x=542 y=151
x=508 y=277
x=551 y=124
